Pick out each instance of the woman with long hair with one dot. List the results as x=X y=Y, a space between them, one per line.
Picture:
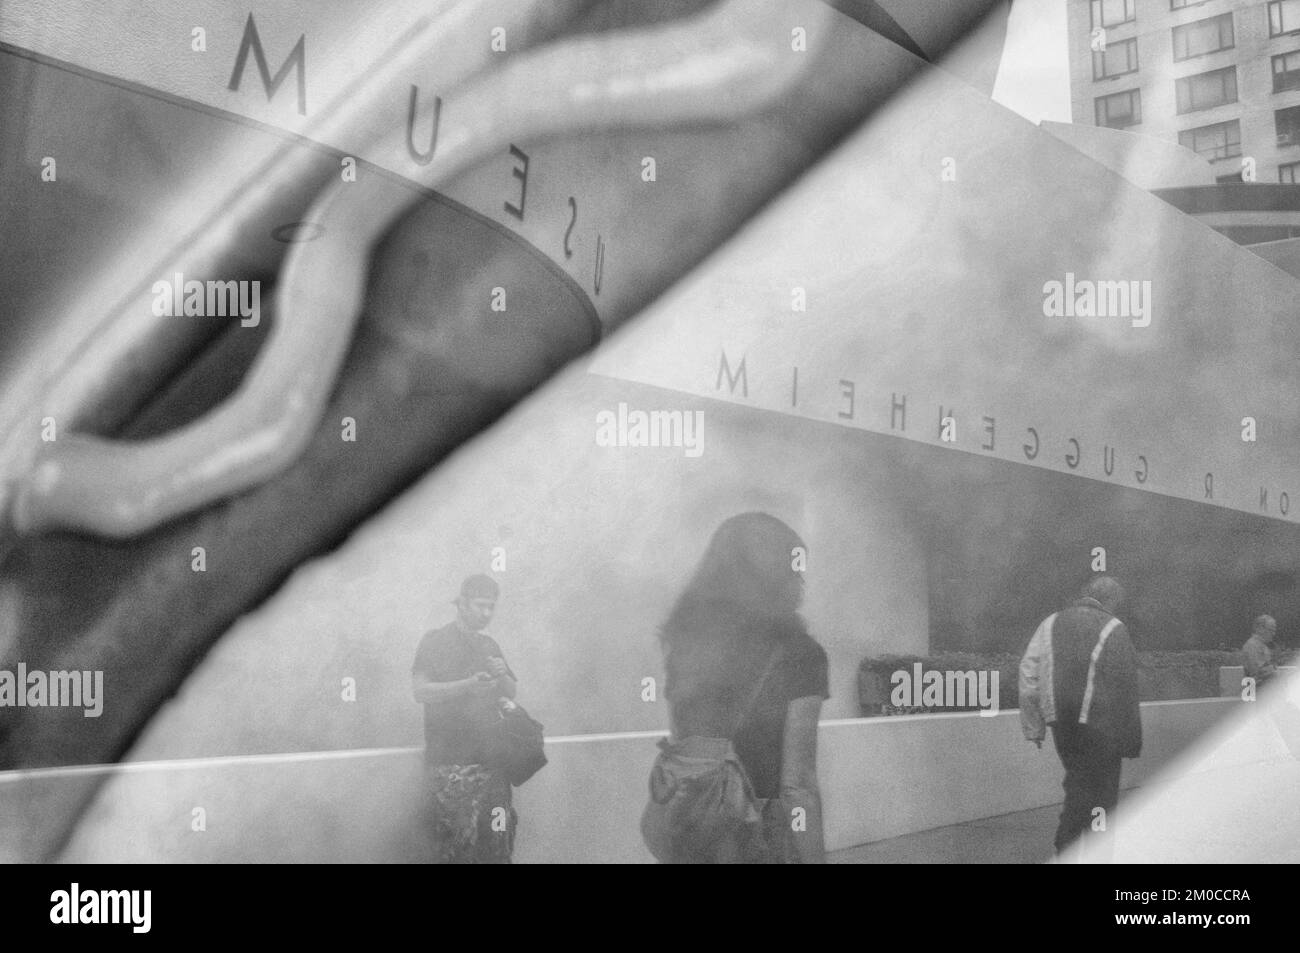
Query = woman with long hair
x=740 y=665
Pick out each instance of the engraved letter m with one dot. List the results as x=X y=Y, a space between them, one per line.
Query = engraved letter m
x=297 y=57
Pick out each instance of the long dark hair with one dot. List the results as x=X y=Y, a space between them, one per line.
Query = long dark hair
x=741 y=602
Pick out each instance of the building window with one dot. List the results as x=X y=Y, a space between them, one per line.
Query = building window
x=1204 y=36
x=1286 y=71
x=1283 y=17
x=1119 y=109
x=1287 y=122
x=1287 y=173
x=1206 y=90
x=1118 y=59
x=1114 y=12
x=1234 y=177
x=1219 y=141
x=1179 y=4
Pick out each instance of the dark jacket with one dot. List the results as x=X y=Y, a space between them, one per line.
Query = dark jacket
x=1081 y=669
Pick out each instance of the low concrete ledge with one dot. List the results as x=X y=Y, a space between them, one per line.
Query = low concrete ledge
x=881 y=777
x=1230 y=677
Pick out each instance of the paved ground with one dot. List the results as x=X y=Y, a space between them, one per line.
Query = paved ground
x=1024 y=837
x=1209 y=810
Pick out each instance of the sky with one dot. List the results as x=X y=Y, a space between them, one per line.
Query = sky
x=1034 y=76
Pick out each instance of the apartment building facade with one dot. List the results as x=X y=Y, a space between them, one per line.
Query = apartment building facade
x=1221 y=77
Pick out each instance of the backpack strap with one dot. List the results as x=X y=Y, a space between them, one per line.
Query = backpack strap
x=772 y=658
x=1086 y=707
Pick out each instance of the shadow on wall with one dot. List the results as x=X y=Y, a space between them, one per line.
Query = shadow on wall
x=1008 y=545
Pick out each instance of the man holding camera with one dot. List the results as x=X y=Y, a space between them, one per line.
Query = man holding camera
x=461 y=678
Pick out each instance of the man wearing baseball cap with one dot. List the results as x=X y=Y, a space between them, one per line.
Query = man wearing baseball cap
x=460 y=676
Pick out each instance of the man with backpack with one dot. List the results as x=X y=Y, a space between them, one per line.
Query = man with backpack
x=1079 y=676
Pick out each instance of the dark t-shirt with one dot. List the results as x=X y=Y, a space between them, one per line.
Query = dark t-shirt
x=453 y=731
x=713 y=708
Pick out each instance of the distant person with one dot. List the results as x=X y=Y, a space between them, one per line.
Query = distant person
x=740 y=665
x=1257 y=653
x=461 y=677
x=1257 y=663
x=1079 y=675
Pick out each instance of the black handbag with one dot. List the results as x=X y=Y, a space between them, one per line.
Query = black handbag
x=516 y=744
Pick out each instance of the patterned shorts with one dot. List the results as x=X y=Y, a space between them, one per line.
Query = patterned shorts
x=471 y=817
